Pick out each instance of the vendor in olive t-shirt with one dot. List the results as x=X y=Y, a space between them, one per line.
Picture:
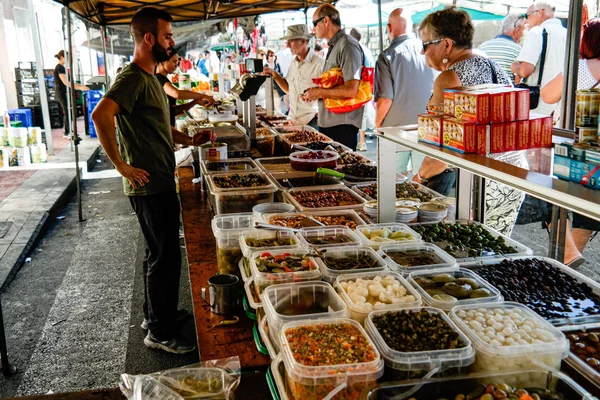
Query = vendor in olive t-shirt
x=146 y=161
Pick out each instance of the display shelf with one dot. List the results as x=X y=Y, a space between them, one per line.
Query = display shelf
x=537 y=181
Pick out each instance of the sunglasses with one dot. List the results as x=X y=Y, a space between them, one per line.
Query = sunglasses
x=427 y=44
x=316 y=22
x=526 y=15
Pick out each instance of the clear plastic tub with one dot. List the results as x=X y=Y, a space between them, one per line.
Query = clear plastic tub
x=227 y=230
x=288 y=142
x=578 y=357
x=413 y=365
x=439 y=260
x=244 y=164
x=322 y=237
x=242 y=199
x=347 y=218
x=316 y=382
x=148 y=387
x=297 y=179
x=461 y=254
x=495 y=358
x=298 y=302
x=300 y=163
x=264 y=279
x=270 y=208
x=428 y=299
x=365 y=190
x=360 y=310
x=254 y=299
x=345 y=199
x=207 y=383
x=287 y=239
x=452 y=388
x=274 y=164
x=386 y=234
x=366 y=253
x=265 y=142
x=294 y=128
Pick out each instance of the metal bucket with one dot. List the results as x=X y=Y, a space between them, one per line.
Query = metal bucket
x=213 y=151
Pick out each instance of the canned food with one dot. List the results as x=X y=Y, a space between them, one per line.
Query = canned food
x=213 y=151
x=587 y=134
x=407 y=202
x=588 y=106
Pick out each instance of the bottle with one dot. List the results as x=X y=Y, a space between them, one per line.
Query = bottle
x=6 y=119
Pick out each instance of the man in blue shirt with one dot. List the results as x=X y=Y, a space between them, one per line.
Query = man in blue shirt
x=202 y=64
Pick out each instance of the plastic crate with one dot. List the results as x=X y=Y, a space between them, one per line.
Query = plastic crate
x=21 y=114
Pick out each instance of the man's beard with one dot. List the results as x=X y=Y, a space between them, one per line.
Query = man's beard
x=161 y=54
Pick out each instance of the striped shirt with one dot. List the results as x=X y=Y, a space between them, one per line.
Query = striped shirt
x=504 y=51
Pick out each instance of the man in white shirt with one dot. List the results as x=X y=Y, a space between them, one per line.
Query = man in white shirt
x=305 y=66
x=540 y=18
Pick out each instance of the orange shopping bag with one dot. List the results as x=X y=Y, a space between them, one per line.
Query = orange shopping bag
x=334 y=77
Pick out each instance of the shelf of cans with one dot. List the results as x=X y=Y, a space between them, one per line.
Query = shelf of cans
x=21 y=147
x=485 y=119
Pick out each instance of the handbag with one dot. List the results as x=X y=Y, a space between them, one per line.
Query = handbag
x=534 y=91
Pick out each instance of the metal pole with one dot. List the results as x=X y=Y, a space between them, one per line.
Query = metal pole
x=89 y=39
x=571 y=65
x=380 y=26
x=39 y=62
x=104 y=39
x=112 y=55
x=71 y=88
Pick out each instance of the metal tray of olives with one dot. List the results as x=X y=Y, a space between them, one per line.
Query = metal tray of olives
x=359 y=188
x=580 y=278
x=467 y=276
x=555 y=384
x=463 y=253
x=584 y=367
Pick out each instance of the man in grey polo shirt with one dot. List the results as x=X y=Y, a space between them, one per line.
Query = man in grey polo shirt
x=344 y=52
x=403 y=83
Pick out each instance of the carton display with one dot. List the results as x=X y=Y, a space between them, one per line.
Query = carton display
x=430 y=128
x=472 y=106
x=497 y=110
x=510 y=136
x=522 y=135
x=522 y=104
x=461 y=135
x=562 y=167
x=449 y=102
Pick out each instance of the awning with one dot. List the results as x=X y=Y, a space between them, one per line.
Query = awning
x=476 y=15
x=115 y=12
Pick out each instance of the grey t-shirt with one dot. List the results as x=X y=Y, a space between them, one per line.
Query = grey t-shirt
x=345 y=53
x=145 y=137
x=402 y=76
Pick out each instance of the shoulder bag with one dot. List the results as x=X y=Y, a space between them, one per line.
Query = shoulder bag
x=534 y=91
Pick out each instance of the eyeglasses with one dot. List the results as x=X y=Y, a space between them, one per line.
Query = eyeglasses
x=427 y=44
x=271 y=55
x=515 y=25
x=316 y=22
x=526 y=15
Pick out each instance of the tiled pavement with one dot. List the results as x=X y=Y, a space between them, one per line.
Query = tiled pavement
x=30 y=198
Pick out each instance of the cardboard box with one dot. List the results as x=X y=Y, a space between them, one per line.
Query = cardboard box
x=522 y=104
x=483 y=144
x=547 y=124
x=562 y=167
x=585 y=174
x=592 y=156
x=497 y=106
x=430 y=128
x=587 y=134
x=472 y=106
x=449 y=101
x=540 y=127
x=522 y=135
x=497 y=138
x=510 y=136
x=461 y=135
x=535 y=133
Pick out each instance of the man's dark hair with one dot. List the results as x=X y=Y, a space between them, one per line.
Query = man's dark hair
x=206 y=52
x=146 y=20
x=355 y=34
x=327 y=10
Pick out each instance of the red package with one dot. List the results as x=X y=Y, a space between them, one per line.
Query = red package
x=461 y=135
x=535 y=133
x=482 y=142
x=547 y=123
x=472 y=106
x=449 y=101
x=522 y=104
x=522 y=135
x=430 y=128
x=497 y=107
x=510 y=136
x=497 y=138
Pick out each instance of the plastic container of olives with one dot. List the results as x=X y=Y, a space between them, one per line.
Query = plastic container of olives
x=227 y=230
x=548 y=384
x=347 y=218
x=274 y=164
x=239 y=199
x=327 y=236
x=316 y=382
x=355 y=202
x=413 y=365
x=377 y=235
x=254 y=299
x=264 y=279
x=412 y=257
x=300 y=301
x=356 y=260
x=253 y=240
x=496 y=358
x=426 y=193
x=463 y=276
x=244 y=164
x=585 y=361
x=360 y=311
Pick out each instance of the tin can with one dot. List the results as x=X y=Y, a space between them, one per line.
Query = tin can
x=587 y=134
x=213 y=151
x=586 y=112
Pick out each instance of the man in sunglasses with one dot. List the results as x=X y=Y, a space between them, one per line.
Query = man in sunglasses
x=345 y=53
x=541 y=21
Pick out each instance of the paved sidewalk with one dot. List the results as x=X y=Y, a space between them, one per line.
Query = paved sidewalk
x=31 y=197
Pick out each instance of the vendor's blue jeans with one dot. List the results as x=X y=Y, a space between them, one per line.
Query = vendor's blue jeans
x=442 y=183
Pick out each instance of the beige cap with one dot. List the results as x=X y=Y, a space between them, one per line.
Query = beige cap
x=299 y=31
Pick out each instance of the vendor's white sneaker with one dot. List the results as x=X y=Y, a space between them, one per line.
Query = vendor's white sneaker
x=361 y=147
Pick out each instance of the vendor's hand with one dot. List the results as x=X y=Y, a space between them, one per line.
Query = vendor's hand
x=311 y=94
x=205 y=100
x=203 y=137
x=133 y=174
x=269 y=72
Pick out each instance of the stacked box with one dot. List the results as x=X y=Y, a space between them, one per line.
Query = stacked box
x=430 y=128
x=461 y=135
x=472 y=106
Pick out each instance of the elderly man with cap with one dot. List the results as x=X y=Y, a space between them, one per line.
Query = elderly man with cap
x=305 y=66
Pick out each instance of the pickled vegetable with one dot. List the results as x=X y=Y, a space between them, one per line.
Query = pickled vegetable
x=501 y=391
x=191 y=386
x=324 y=198
x=439 y=286
x=387 y=235
x=328 y=239
x=410 y=331
x=283 y=263
x=270 y=242
x=228 y=260
x=351 y=262
x=296 y=220
x=414 y=258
